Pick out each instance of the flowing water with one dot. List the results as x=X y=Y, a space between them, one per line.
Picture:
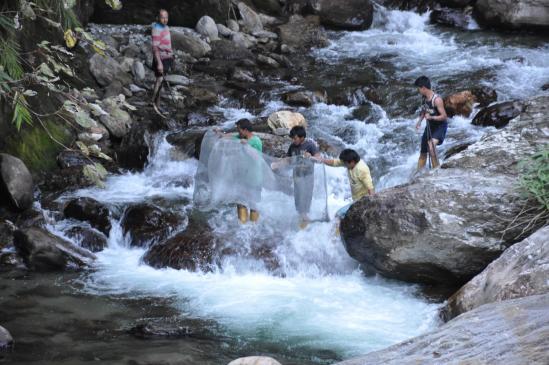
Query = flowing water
x=319 y=307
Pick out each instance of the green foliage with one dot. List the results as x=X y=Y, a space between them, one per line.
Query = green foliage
x=534 y=180
x=21 y=112
x=60 y=11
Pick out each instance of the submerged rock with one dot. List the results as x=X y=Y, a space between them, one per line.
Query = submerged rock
x=42 y=251
x=508 y=332
x=89 y=210
x=6 y=340
x=16 y=186
x=89 y=238
x=445 y=227
x=498 y=115
x=520 y=271
x=148 y=224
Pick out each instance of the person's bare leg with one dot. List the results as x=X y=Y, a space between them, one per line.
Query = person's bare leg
x=156 y=91
x=433 y=152
x=422 y=161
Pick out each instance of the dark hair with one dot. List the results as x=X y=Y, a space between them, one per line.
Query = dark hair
x=423 y=81
x=298 y=131
x=349 y=155
x=245 y=124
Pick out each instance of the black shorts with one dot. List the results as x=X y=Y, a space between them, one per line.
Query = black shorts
x=167 y=64
x=438 y=131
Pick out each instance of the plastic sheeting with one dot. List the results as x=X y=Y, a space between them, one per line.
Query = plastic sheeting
x=230 y=172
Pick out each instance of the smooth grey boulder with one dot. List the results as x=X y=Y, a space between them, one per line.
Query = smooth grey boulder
x=513 y=13
x=251 y=20
x=6 y=340
x=254 y=360
x=303 y=33
x=522 y=270
x=189 y=42
x=207 y=27
x=16 y=186
x=138 y=70
x=446 y=226
x=512 y=332
x=42 y=251
x=106 y=69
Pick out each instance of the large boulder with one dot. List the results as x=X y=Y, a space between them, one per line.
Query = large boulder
x=6 y=340
x=117 y=121
x=508 y=332
x=106 y=69
x=445 y=227
x=302 y=33
x=88 y=238
x=513 y=13
x=42 y=251
x=188 y=142
x=16 y=186
x=282 y=121
x=522 y=270
x=148 y=224
x=304 y=98
x=273 y=145
x=192 y=249
x=346 y=14
x=89 y=210
x=190 y=42
x=498 y=115
x=207 y=27
x=133 y=152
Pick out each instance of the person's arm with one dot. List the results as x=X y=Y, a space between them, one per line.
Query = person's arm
x=327 y=161
x=440 y=107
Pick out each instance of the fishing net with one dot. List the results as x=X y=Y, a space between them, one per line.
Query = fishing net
x=230 y=172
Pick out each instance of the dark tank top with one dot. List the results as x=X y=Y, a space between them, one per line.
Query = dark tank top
x=428 y=106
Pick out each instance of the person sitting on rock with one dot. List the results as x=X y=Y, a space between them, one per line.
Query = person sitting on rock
x=432 y=110
x=303 y=171
x=162 y=54
x=251 y=172
x=358 y=173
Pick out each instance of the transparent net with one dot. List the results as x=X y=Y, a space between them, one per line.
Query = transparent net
x=230 y=172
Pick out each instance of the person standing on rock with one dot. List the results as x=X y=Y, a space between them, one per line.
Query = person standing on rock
x=432 y=110
x=303 y=171
x=358 y=173
x=162 y=54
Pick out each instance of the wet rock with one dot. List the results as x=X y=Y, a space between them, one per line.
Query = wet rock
x=457 y=18
x=16 y=185
x=460 y=103
x=6 y=234
x=88 y=238
x=273 y=145
x=498 y=115
x=457 y=149
x=190 y=42
x=193 y=249
x=508 y=332
x=242 y=75
x=304 y=98
x=512 y=14
x=484 y=95
x=255 y=360
x=436 y=231
x=106 y=69
x=302 y=33
x=66 y=179
x=198 y=96
x=6 y=340
x=281 y=122
x=188 y=141
x=250 y=19
x=226 y=50
x=460 y=4
x=133 y=152
x=148 y=224
x=522 y=270
x=207 y=27
x=89 y=210
x=545 y=87
x=42 y=251
x=346 y=14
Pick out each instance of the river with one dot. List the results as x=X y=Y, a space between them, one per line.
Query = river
x=320 y=308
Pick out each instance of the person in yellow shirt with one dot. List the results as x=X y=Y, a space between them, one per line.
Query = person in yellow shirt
x=358 y=172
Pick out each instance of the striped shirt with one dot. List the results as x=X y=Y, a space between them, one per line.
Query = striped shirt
x=162 y=41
